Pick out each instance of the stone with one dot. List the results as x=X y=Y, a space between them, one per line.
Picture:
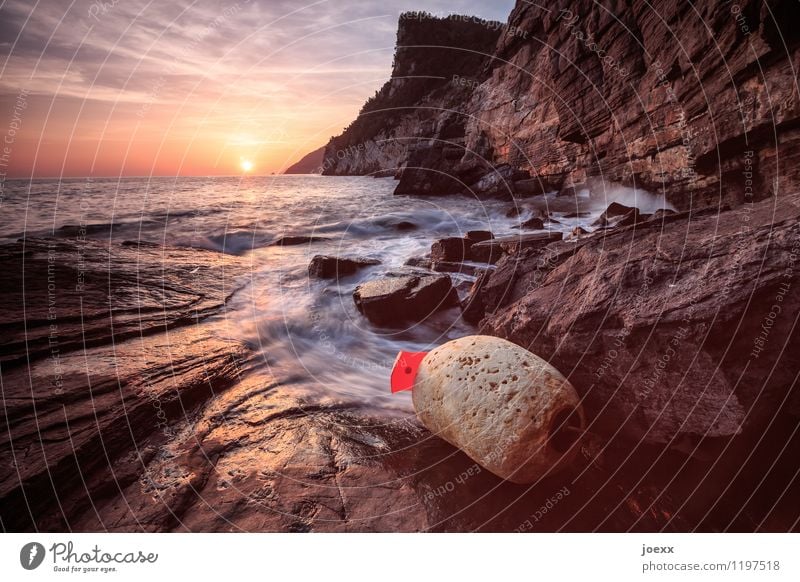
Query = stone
x=617 y=215
x=395 y=300
x=505 y=407
x=579 y=231
x=476 y=236
x=183 y=430
x=453 y=249
x=562 y=128
x=472 y=306
x=533 y=223
x=329 y=267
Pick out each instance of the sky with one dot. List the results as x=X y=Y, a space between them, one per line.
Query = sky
x=139 y=88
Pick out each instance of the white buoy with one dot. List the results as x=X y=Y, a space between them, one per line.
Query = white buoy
x=508 y=409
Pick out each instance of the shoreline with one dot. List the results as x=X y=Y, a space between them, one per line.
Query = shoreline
x=180 y=429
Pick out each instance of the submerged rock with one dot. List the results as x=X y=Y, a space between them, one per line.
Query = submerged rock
x=329 y=267
x=394 y=300
x=533 y=223
x=286 y=241
x=405 y=225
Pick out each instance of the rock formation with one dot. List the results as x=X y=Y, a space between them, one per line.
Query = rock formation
x=311 y=163
x=676 y=326
x=698 y=101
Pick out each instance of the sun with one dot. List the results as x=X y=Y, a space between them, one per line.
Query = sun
x=246 y=165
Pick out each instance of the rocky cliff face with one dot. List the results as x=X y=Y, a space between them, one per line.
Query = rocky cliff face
x=434 y=70
x=698 y=101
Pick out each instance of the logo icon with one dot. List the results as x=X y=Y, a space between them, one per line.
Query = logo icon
x=31 y=555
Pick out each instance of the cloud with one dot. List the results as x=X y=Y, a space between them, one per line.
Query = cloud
x=216 y=64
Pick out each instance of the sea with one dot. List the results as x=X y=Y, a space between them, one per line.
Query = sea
x=298 y=327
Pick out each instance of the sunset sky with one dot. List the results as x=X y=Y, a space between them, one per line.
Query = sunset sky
x=191 y=88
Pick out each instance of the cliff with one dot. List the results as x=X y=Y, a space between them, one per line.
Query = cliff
x=698 y=101
x=415 y=102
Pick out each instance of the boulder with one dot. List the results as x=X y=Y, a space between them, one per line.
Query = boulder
x=329 y=267
x=579 y=231
x=405 y=225
x=475 y=236
x=452 y=249
x=394 y=300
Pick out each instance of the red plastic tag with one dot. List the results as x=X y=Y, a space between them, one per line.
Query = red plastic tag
x=405 y=369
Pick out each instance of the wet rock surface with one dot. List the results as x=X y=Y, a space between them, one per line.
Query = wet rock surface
x=665 y=332
x=74 y=295
x=181 y=430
